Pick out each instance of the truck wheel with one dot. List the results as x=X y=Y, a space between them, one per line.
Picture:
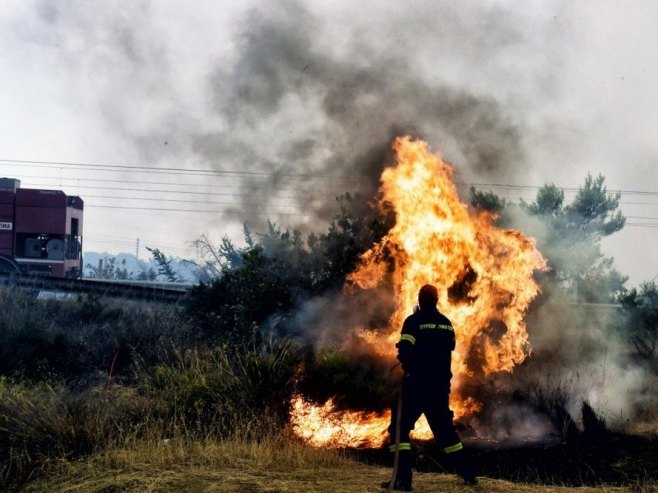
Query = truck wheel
x=9 y=266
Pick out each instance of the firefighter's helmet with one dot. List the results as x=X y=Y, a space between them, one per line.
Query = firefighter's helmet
x=428 y=296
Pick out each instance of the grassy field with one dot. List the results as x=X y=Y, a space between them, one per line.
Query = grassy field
x=273 y=465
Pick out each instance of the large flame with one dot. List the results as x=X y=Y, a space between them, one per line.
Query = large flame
x=483 y=274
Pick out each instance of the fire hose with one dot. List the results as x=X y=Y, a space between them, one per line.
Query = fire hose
x=396 y=457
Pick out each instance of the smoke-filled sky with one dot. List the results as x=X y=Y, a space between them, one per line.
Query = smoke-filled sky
x=199 y=116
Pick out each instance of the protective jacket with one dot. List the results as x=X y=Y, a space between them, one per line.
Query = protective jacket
x=426 y=343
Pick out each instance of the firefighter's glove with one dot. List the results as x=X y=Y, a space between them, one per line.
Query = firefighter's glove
x=405 y=356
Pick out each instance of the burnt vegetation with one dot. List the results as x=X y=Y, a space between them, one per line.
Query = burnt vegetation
x=80 y=376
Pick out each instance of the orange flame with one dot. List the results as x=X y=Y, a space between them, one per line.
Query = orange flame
x=483 y=274
x=324 y=426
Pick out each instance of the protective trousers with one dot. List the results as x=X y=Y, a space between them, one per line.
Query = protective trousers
x=418 y=398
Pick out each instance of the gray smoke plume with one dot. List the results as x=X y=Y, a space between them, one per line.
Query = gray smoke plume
x=319 y=121
x=303 y=100
x=582 y=353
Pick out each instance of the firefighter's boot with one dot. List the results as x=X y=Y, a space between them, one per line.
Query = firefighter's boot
x=463 y=467
x=397 y=487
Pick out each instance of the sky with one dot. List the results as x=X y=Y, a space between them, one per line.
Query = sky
x=173 y=119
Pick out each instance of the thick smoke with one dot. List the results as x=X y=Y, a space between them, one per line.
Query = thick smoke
x=582 y=352
x=319 y=120
x=331 y=321
x=302 y=99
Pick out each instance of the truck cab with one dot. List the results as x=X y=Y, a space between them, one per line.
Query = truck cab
x=40 y=231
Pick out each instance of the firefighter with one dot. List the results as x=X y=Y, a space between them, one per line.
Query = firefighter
x=424 y=350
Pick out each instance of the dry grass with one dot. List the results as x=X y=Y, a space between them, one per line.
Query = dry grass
x=272 y=465
x=97 y=438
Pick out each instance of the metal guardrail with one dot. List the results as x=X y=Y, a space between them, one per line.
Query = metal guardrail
x=152 y=291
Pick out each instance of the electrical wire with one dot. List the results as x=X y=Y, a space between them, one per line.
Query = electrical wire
x=184 y=171
x=156 y=169
x=175 y=192
x=102 y=180
x=187 y=201
x=189 y=210
x=223 y=174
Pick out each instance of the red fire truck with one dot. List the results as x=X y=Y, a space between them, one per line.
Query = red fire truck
x=40 y=231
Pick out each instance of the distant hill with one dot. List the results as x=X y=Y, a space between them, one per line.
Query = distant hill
x=126 y=266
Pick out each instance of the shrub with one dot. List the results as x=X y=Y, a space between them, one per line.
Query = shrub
x=41 y=422
x=218 y=393
x=75 y=340
x=354 y=383
x=221 y=391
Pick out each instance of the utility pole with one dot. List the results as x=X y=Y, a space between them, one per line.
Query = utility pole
x=137 y=250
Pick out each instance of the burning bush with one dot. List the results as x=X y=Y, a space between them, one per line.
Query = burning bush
x=484 y=274
x=351 y=383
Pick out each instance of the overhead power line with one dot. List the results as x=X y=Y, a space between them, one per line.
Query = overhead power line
x=183 y=171
x=120 y=189
x=188 y=201
x=211 y=186
x=238 y=191
x=566 y=189
x=194 y=210
x=202 y=172
x=178 y=183
x=157 y=169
